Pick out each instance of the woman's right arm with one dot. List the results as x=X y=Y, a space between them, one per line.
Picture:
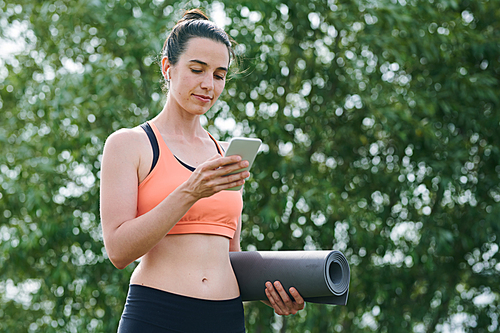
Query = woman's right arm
x=127 y=237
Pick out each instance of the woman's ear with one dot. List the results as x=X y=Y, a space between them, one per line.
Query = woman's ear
x=165 y=66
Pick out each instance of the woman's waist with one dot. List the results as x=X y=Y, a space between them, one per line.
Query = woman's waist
x=190 y=265
x=184 y=280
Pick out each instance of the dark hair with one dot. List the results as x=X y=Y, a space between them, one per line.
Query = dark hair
x=193 y=24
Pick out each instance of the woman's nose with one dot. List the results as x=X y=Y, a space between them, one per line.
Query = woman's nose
x=208 y=81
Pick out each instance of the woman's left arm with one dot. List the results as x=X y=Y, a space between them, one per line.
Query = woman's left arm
x=278 y=299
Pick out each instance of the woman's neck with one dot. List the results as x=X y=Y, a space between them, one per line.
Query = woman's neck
x=176 y=121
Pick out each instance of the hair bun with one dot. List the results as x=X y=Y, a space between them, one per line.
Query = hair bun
x=193 y=14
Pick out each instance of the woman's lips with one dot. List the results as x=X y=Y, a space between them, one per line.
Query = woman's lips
x=203 y=98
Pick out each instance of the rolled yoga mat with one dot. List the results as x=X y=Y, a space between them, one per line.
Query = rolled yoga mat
x=319 y=276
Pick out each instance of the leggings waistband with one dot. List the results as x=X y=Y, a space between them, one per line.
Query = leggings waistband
x=162 y=311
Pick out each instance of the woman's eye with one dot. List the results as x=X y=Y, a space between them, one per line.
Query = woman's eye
x=219 y=75
x=195 y=70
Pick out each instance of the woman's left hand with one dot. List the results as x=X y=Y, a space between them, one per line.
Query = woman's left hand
x=280 y=301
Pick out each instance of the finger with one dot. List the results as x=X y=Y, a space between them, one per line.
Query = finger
x=208 y=182
x=282 y=299
x=226 y=186
x=228 y=172
x=216 y=167
x=233 y=177
x=232 y=168
x=286 y=300
x=274 y=305
x=216 y=161
x=274 y=299
x=228 y=160
x=226 y=176
x=299 y=301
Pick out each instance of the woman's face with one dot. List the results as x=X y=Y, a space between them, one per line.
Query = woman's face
x=199 y=76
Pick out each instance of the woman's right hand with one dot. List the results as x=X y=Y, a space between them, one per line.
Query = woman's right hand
x=212 y=176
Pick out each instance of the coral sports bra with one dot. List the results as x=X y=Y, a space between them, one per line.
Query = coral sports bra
x=215 y=215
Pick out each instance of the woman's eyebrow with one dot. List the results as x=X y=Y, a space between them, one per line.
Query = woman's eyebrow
x=205 y=64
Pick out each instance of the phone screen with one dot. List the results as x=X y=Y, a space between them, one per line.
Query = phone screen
x=247 y=148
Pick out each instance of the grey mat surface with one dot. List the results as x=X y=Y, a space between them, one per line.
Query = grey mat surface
x=319 y=276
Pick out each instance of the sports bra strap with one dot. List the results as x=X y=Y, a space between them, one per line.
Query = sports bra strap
x=217 y=145
x=154 y=144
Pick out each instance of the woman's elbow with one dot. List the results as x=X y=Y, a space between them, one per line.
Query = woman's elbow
x=117 y=258
x=119 y=264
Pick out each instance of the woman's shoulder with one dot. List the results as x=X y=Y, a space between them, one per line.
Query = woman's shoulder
x=125 y=135
x=127 y=139
x=128 y=149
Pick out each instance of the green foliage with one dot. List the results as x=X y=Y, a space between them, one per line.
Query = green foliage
x=380 y=124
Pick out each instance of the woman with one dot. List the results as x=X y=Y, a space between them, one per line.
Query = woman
x=163 y=199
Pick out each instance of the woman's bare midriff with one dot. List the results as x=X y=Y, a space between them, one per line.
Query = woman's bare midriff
x=194 y=265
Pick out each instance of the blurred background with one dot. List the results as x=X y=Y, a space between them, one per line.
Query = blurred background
x=380 y=121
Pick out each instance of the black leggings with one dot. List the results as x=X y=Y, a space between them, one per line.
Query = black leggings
x=155 y=311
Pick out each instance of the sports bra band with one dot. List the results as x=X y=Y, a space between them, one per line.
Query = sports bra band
x=190 y=168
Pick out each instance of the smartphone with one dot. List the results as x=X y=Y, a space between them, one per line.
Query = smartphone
x=247 y=148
